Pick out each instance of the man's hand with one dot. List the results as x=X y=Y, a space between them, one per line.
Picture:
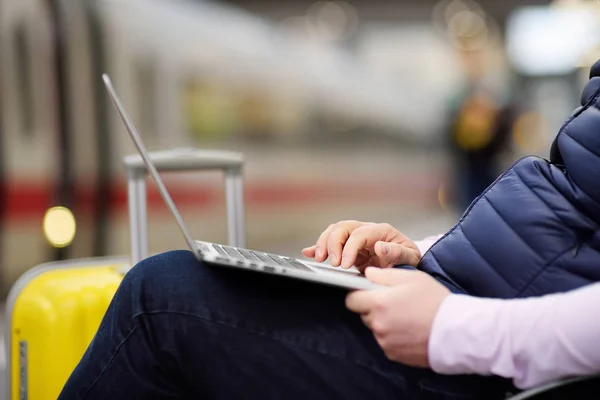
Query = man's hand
x=364 y=244
x=402 y=315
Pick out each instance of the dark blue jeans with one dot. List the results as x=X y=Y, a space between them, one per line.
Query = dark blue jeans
x=178 y=329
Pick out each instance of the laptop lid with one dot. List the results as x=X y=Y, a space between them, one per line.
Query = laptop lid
x=137 y=140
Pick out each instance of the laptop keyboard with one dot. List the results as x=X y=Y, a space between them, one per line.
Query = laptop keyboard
x=220 y=250
x=254 y=256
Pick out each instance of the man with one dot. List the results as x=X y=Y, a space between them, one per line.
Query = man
x=179 y=329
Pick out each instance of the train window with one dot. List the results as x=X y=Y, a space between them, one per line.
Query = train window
x=207 y=109
x=146 y=98
x=24 y=76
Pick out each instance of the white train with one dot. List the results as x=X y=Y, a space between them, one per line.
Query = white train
x=190 y=73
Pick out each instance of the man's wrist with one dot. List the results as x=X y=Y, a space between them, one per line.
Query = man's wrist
x=424 y=244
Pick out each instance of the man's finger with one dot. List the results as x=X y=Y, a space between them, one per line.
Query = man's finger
x=321 y=246
x=310 y=251
x=361 y=301
x=389 y=276
x=367 y=319
x=355 y=243
x=392 y=254
x=336 y=241
x=363 y=238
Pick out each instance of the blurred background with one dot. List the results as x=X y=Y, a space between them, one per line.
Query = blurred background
x=396 y=111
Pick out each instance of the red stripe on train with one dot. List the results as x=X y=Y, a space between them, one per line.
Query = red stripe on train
x=30 y=200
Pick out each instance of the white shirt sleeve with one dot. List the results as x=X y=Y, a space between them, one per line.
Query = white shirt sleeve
x=533 y=341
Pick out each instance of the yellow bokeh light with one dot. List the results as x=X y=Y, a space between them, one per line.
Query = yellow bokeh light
x=59 y=226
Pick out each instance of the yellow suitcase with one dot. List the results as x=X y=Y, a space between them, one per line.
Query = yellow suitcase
x=53 y=311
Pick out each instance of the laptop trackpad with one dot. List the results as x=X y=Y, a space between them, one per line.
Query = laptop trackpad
x=320 y=267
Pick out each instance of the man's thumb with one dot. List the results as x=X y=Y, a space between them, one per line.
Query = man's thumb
x=386 y=277
x=391 y=254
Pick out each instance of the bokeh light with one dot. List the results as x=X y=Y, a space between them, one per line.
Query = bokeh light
x=466 y=25
x=59 y=226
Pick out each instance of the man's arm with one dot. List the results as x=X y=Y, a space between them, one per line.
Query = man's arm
x=532 y=341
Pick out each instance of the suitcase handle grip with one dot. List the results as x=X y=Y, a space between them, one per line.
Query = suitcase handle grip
x=186 y=159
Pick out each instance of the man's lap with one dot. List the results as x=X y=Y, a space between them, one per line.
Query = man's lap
x=196 y=329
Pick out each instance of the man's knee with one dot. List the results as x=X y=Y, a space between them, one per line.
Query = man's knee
x=163 y=277
x=163 y=265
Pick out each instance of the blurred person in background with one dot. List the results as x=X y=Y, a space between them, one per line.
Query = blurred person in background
x=479 y=131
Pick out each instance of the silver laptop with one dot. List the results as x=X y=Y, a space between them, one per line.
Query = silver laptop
x=233 y=257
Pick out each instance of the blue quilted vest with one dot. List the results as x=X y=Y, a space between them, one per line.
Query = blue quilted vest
x=536 y=229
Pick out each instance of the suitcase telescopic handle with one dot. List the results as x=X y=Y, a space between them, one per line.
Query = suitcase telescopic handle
x=179 y=160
